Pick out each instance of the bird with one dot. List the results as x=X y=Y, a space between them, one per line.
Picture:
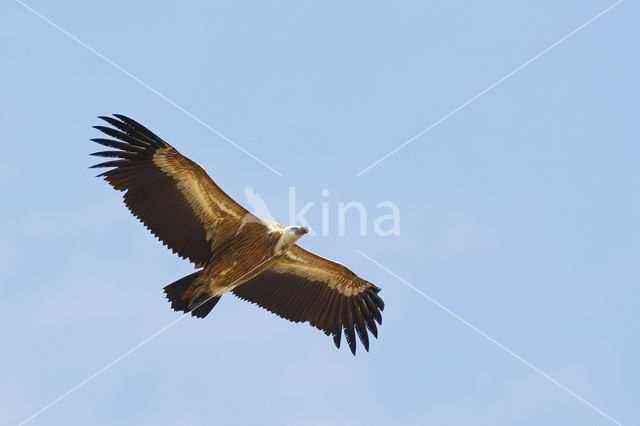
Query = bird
x=232 y=250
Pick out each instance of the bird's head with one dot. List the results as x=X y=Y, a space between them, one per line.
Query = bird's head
x=300 y=230
x=289 y=236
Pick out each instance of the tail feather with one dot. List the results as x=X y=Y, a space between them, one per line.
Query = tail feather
x=204 y=305
x=199 y=307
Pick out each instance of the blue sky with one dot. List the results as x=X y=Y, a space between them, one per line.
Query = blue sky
x=519 y=213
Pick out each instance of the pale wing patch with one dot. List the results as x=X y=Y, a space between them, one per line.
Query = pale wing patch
x=211 y=210
x=291 y=254
x=191 y=188
x=347 y=286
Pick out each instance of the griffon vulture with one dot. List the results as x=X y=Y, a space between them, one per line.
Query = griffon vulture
x=256 y=259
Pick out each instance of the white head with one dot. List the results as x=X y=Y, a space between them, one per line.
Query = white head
x=295 y=232
x=289 y=236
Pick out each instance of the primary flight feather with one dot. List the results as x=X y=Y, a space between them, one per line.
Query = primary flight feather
x=256 y=259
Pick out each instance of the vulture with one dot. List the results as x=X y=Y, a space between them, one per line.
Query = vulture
x=233 y=250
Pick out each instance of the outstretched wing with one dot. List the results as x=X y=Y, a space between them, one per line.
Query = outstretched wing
x=170 y=194
x=302 y=286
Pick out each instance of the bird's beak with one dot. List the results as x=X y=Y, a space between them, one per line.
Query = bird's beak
x=303 y=230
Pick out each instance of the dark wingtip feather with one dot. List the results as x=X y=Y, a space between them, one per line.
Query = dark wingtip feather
x=127 y=136
x=361 y=329
x=116 y=163
x=124 y=118
x=116 y=154
x=349 y=332
x=367 y=317
x=377 y=300
x=362 y=333
x=352 y=345
x=337 y=339
x=142 y=129
x=373 y=309
x=371 y=325
x=118 y=145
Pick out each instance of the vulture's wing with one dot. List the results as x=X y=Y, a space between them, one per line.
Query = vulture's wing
x=302 y=286
x=170 y=194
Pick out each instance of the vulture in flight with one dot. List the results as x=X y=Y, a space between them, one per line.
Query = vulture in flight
x=256 y=259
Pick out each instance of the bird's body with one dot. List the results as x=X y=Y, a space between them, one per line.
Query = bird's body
x=255 y=247
x=256 y=259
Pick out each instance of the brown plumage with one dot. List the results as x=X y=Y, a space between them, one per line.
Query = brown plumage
x=254 y=258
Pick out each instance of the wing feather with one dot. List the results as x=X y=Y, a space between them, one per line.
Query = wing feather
x=349 y=334
x=361 y=329
x=170 y=194
x=304 y=287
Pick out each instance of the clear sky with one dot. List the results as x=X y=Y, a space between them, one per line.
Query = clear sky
x=519 y=213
